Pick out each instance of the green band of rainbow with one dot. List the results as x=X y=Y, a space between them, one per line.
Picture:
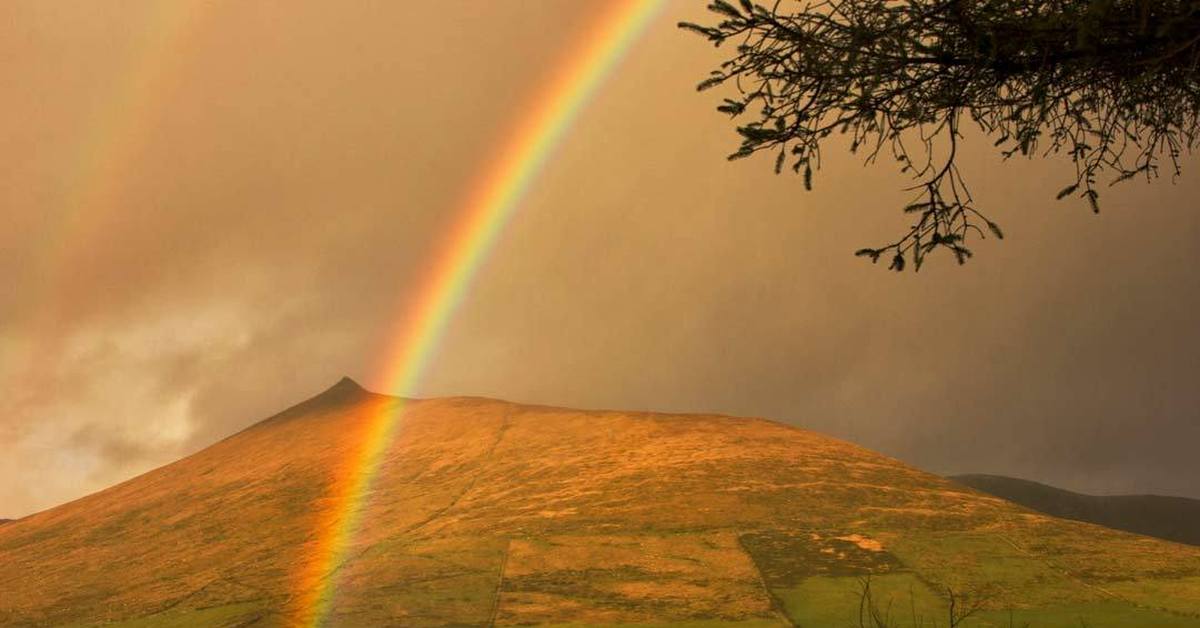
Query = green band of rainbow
x=488 y=207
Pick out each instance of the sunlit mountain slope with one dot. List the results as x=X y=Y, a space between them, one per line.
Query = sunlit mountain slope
x=488 y=512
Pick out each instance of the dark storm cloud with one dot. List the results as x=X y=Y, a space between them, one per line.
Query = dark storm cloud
x=295 y=179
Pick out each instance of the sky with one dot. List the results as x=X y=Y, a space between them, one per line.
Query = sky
x=213 y=210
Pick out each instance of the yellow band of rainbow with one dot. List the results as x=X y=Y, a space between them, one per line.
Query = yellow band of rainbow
x=492 y=199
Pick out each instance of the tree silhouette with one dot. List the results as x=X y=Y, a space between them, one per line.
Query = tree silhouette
x=1113 y=84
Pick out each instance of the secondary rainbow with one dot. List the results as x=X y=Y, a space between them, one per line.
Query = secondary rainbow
x=489 y=205
x=107 y=156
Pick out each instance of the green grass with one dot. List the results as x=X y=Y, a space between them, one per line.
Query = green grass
x=750 y=623
x=961 y=560
x=1095 y=615
x=833 y=600
x=1180 y=595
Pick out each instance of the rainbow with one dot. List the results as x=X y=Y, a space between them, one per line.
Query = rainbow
x=112 y=143
x=487 y=208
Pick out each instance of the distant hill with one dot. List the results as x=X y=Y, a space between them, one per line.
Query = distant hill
x=486 y=512
x=1171 y=518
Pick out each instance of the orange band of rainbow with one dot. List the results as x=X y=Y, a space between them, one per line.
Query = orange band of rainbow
x=487 y=208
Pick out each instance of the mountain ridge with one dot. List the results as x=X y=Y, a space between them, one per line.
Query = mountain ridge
x=1166 y=517
x=486 y=511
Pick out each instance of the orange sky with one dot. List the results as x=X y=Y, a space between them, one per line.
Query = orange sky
x=271 y=180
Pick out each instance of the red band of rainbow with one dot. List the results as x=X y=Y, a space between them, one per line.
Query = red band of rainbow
x=487 y=208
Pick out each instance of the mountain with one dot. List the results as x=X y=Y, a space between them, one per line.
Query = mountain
x=486 y=512
x=1171 y=518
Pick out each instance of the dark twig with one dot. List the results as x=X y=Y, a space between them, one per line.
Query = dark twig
x=1113 y=84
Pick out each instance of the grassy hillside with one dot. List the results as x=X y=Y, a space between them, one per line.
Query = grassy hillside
x=487 y=512
x=1171 y=518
